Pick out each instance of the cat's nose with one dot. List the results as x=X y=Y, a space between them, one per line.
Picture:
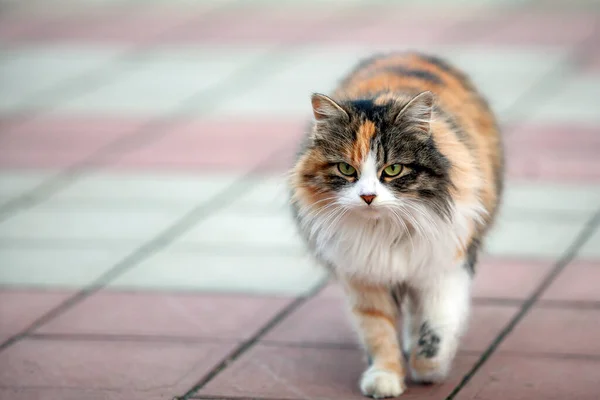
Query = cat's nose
x=368 y=198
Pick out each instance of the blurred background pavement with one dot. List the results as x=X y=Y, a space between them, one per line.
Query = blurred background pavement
x=146 y=250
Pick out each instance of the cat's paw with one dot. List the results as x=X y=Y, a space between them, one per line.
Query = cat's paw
x=425 y=370
x=380 y=383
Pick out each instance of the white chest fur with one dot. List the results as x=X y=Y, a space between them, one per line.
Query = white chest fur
x=381 y=251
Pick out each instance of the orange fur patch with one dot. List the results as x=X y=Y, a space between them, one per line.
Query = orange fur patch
x=370 y=312
x=363 y=142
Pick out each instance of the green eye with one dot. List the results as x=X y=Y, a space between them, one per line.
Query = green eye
x=392 y=170
x=346 y=169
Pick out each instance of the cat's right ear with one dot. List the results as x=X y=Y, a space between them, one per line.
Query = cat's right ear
x=325 y=108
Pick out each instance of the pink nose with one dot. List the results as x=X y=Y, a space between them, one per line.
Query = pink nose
x=368 y=198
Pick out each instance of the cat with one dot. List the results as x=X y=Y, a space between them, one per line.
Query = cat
x=396 y=184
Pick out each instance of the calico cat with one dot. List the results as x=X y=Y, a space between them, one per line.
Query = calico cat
x=395 y=186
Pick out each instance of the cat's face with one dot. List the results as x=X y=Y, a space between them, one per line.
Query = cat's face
x=375 y=159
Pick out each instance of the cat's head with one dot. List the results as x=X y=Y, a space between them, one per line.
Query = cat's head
x=373 y=158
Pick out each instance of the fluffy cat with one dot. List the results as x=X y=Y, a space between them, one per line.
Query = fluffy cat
x=395 y=186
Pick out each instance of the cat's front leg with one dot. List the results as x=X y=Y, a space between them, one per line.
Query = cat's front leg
x=442 y=315
x=375 y=314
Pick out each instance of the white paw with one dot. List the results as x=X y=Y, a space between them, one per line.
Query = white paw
x=379 y=383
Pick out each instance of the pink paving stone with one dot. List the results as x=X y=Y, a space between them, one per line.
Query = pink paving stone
x=160 y=314
x=523 y=28
x=304 y=373
x=554 y=152
x=15 y=26
x=400 y=28
x=507 y=278
x=575 y=167
x=110 y=26
x=252 y=25
x=552 y=330
x=326 y=321
x=561 y=138
x=577 y=282
x=526 y=378
x=20 y=308
x=591 y=61
x=219 y=144
x=119 y=369
x=51 y=142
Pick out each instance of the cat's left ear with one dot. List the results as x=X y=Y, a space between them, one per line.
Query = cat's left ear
x=325 y=107
x=418 y=112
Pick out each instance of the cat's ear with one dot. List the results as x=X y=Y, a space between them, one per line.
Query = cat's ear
x=325 y=107
x=418 y=112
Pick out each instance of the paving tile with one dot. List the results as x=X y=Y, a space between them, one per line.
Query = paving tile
x=16 y=182
x=555 y=197
x=142 y=189
x=269 y=193
x=591 y=248
x=18 y=25
x=573 y=102
x=56 y=142
x=324 y=320
x=517 y=235
x=149 y=84
x=302 y=373
x=51 y=223
x=19 y=308
x=70 y=268
x=22 y=81
x=253 y=23
x=577 y=282
x=583 y=168
x=564 y=152
x=121 y=369
x=498 y=278
x=224 y=272
x=524 y=378
x=539 y=29
x=107 y=26
x=239 y=228
x=572 y=331
x=162 y=314
x=402 y=27
x=220 y=145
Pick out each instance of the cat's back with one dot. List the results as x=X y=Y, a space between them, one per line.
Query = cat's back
x=383 y=77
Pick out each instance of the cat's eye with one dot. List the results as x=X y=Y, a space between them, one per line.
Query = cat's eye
x=392 y=170
x=346 y=169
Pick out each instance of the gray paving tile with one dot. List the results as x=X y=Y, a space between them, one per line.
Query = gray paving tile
x=544 y=238
x=55 y=268
x=540 y=197
x=577 y=102
x=161 y=81
x=228 y=272
x=27 y=71
x=156 y=189
x=15 y=183
x=270 y=193
x=591 y=249
x=263 y=229
x=68 y=223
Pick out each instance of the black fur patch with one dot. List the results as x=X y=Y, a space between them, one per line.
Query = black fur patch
x=429 y=341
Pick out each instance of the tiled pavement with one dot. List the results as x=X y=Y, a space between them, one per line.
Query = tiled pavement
x=145 y=246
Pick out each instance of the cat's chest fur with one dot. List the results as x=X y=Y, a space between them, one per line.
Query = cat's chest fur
x=381 y=251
